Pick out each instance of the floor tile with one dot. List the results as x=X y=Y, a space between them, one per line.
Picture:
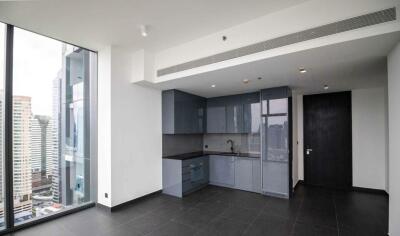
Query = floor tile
x=270 y=225
x=173 y=229
x=240 y=214
x=223 y=227
x=309 y=230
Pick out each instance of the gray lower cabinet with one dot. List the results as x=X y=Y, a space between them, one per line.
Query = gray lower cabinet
x=256 y=175
x=222 y=170
x=248 y=174
x=244 y=173
x=195 y=174
x=235 y=172
x=183 y=177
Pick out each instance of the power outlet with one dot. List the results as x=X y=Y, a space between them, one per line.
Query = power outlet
x=106 y=195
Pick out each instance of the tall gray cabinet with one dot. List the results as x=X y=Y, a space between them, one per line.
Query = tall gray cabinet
x=276 y=142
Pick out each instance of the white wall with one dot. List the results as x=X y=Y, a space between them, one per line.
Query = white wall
x=394 y=137
x=136 y=133
x=130 y=136
x=300 y=139
x=369 y=138
x=104 y=127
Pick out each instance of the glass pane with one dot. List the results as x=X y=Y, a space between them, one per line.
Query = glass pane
x=51 y=152
x=277 y=138
x=278 y=106
x=2 y=67
x=275 y=163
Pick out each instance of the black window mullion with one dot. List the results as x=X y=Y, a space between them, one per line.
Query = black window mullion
x=8 y=136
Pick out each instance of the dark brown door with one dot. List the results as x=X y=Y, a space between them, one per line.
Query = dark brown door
x=328 y=140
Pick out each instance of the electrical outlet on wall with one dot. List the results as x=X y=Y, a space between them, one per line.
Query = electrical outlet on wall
x=106 y=195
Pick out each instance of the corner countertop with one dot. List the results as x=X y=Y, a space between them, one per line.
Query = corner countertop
x=186 y=156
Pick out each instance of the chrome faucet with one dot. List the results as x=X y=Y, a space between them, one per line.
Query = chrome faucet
x=232 y=143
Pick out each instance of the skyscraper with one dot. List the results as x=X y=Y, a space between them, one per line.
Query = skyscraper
x=22 y=171
x=55 y=141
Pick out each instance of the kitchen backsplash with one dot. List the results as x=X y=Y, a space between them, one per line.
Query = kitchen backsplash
x=244 y=143
x=176 y=144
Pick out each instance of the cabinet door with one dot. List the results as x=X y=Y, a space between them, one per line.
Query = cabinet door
x=251 y=117
x=216 y=119
x=199 y=116
x=244 y=174
x=234 y=118
x=222 y=170
x=256 y=175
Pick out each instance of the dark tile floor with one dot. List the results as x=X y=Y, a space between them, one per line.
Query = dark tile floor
x=222 y=211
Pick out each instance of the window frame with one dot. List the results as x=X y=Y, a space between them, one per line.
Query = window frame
x=90 y=122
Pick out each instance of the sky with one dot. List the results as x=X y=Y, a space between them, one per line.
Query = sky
x=37 y=60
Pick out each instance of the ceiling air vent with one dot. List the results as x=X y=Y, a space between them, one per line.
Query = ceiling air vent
x=325 y=30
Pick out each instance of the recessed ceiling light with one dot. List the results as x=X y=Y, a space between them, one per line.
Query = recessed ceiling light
x=213 y=86
x=245 y=81
x=326 y=87
x=302 y=70
x=143 y=30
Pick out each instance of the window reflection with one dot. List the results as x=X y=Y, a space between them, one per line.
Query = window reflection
x=277 y=138
x=278 y=106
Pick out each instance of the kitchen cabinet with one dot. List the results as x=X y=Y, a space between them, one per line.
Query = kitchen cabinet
x=256 y=175
x=234 y=114
x=216 y=119
x=234 y=118
x=222 y=170
x=181 y=177
x=195 y=174
x=244 y=173
x=252 y=118
x=183 y=113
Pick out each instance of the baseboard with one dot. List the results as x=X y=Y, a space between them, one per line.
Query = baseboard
x=299 y=182
x=122 y=205
x=103 y=207
x=370 y=190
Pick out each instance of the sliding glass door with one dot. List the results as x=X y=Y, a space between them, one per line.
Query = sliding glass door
x=50 y=104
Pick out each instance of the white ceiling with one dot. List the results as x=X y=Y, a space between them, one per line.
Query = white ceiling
x=344 y=66
x=96 y=23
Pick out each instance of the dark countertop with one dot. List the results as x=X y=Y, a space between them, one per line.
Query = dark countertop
x=191 y=155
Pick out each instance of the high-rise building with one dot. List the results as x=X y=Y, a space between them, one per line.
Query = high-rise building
x=55 y=141
x=22 y=170
x=41 y=145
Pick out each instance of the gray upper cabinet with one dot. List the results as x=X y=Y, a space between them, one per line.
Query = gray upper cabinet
x=251 y=117
x=183 y=113
x=216 y=119
x=234 y=114
x=234 y=118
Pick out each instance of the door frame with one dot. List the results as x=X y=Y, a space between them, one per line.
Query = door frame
x=351 y=143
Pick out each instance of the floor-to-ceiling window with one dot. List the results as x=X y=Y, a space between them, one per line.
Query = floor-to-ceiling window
x=49 y=126
x=2 y=65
